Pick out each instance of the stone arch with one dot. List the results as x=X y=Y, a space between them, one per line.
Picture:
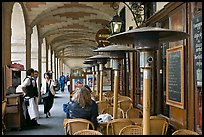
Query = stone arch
x=18 y=35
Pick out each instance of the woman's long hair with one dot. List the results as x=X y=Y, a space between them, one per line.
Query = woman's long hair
x=83 y=97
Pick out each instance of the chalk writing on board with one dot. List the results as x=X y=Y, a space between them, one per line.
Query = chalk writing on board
x=197 y=44
x=174 y=76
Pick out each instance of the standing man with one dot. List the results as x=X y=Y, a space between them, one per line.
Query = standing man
x=36 y=88
x=62 y=80
x=30 y=107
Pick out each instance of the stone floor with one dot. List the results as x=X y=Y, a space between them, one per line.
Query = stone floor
x=48 y=126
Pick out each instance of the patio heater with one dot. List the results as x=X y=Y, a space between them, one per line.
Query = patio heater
x=101 y=60
x=117 y=53
x=146 y=40
x=92 y=63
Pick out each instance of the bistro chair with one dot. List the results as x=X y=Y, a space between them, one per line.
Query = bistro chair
x=184 y=132
x=131 y=130
x=3 y=115
x=108 y=96
x=134 y=113
x=114 y=126
x=109 y=110
x=87 y=132
x=158 y=126
x=102 y=105
x=125 y=105
x=73 y=125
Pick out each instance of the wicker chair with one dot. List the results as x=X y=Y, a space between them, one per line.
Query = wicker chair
x=87 y=132
x=125 y=105
x=102 y=105
x=131 y=130
x=73 y=125
x=115 y=125
x=184 y=132
x=109 y=110
x=134 y=113
x=3 y=115
x=158 y=126
x=108 y=96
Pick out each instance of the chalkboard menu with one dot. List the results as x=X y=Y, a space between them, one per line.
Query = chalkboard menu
x=175 y=75
x=197 y=45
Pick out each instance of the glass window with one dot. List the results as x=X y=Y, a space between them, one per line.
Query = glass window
x=164 y=47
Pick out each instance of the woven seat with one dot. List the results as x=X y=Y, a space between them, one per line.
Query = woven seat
x=109 y=110
x=73 y=125
x=102 y=105
x=133 y=113
x=184 y=132
x=116 y=125
x=87 y=132
x=131 y=130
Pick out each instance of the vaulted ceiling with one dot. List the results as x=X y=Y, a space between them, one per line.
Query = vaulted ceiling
x=71 y=26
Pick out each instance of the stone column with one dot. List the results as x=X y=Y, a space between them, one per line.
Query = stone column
x=51 y=58
x=55 y=70
x=47 y=47
x=39 y=62
x=6 y=32
x=29 y=31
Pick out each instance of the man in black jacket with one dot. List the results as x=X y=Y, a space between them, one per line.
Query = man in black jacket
x=31 y=112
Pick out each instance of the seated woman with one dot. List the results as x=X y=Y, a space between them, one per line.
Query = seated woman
x=82 y=106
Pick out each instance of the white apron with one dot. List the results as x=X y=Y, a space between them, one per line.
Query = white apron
x=32 y=109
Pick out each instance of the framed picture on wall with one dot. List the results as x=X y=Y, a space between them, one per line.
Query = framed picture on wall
x=89 y=80
x=107 y=79
x=77 y=82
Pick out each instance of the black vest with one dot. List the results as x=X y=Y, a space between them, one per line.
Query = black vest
x=30 y=89
x=35 y=89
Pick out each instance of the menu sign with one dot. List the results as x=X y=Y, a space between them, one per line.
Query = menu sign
x=197 y=45
x=175 y=77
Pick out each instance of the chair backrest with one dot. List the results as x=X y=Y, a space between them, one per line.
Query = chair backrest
x=125 y=105
x=166 y=124
x=3 y=108
x=73 y=125
x=158 y=126
x=87 y=132
x=123 y=98
x=108 y=96
x=102 y=105
x=131 y=130
x=109 y=110
x=116 y=125
x=184 y=132
x=134 y=113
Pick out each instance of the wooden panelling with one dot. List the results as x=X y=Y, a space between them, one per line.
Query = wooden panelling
x=177 y=117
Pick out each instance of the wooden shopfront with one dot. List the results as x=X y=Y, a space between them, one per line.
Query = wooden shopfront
x=183 y=110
